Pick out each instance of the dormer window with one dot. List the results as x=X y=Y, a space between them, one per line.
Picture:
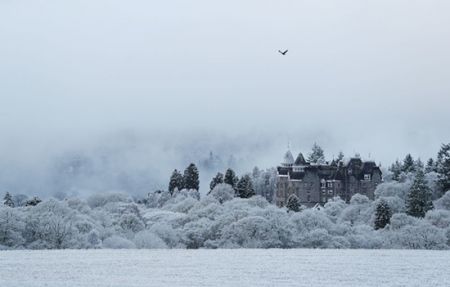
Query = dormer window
x=322 y=183
x=367 y=177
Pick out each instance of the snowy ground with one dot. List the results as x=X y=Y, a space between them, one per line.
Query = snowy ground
x=241 y=267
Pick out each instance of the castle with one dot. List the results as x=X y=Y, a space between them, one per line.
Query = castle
x=316 y=183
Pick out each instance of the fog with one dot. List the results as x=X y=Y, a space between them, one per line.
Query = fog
x=142 y=87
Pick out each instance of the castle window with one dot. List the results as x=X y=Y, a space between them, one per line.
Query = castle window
x=367 y=177
x=330 y=184
x=309 y=198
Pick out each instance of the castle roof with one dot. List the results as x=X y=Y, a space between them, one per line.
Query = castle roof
x=288 y=158
x=300 y=160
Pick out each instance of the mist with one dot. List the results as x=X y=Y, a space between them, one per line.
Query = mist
x=132 y=90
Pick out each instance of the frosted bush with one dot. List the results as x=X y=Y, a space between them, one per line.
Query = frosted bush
x=393 y=188
x=222 y=192
x=101 y=199
x=148 y=240
x=444 y=201
x=118 y=242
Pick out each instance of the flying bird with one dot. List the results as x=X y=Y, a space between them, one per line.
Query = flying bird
x=282 y=53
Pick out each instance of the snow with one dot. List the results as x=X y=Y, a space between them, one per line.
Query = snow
x=232 y=267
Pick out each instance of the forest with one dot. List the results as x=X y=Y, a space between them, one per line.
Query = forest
x=411 y=210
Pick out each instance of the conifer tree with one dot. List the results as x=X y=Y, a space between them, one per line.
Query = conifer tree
x=382 y=214
x=231 y=178
x=244 y=187
x=191 y=177
x=218 y=179
x=430 y=166
x=443 y=167
x=316 y=155
x=396 y=169
x=340 y=156
x=176 y=181
x=418 y=201
x=293 y=203
x=8 y=200
x=419 y=165
x=408 y=164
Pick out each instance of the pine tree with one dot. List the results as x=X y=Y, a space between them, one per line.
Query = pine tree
x=218 y=179
x=418 y=201
x=230 y=178
x=316 y=155
x=396 y=169
x=430 y=166
x=382 y=215
x=443 y=167
x=191 y=177
x=293 y=203
x=244 y=187
x=176 y=181
x=408 y=164
x=8 y=200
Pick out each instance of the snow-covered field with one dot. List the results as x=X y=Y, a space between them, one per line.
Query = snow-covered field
x=239 y=267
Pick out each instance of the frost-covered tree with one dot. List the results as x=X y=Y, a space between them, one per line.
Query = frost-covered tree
x=191 y=177
x=443 y=167
x=176 y=181
x=340 y=156
x=396 y=169
x=7 y=200
x=293 y=203
x=431 y=166
x=382 y=214
x=218 y=179
x=33 y=202
x=408 y=164
x=244 y=187
x=11 y=228
x=230 y=178
x=419 y=165
x=222 y=192
x=419 y=198
x=444 y=201
x=316 y=155
x=264 y=183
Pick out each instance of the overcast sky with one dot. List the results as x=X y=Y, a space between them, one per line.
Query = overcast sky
x=362 y=76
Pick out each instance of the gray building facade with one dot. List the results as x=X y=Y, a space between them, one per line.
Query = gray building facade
x=316 y=183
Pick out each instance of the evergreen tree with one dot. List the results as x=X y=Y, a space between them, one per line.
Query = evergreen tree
x=244 y=187
x=218 y=179
x=293 y=203
x=408 y=164
x=419 y=165
x=430 y=166
x=230 y=178
x=256 y=172
x=316 y=155
x=443 y=167
x=418 y=201
x=176 y=181
x=33 y=202
x=191 y=177
x=382 y=214
x=396 y=169
x=8 y=200
x=340 y=156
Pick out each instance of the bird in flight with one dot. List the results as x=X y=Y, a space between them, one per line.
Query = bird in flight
x=282 y=53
